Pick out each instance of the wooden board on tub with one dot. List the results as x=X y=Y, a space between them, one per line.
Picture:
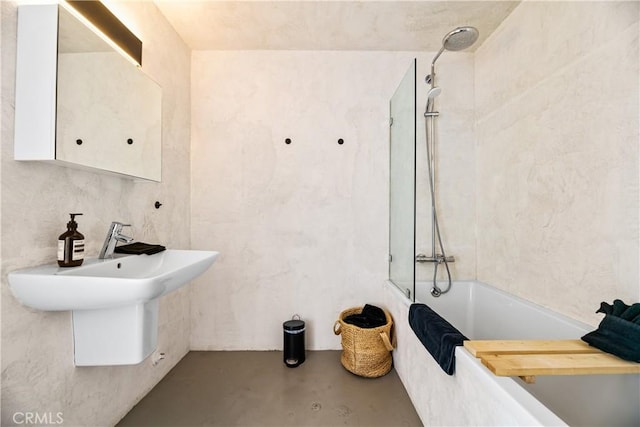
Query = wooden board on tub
x=528 y=358
x=482 y=347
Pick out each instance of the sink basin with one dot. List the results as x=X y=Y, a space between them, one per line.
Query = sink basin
x=99 y=284
x=114 y=302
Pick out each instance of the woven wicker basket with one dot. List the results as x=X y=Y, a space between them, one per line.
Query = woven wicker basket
x=365 y=351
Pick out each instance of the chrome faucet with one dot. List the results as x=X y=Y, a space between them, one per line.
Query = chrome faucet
x=113 y=236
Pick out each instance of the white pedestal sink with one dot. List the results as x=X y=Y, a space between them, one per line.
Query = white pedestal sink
x=114 y=302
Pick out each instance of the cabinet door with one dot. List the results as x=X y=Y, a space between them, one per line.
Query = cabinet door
x=108 y=117
x=79 y=102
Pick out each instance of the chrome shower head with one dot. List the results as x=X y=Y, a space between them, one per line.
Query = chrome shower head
x=457 y=39
x=460 y=38
x=431 y=97
x=433 y=92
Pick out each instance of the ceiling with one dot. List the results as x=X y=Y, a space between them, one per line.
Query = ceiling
x=328 y=24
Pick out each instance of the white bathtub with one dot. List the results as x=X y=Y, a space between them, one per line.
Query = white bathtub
x=473 y=395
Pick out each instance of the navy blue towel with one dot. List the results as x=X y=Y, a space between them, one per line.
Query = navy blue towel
x=437 y=335
x=619 y=331
x=139 y=248
x=370 y=317
x=621 y=310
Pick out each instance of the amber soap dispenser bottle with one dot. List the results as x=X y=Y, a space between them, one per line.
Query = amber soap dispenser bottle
x=71 y=245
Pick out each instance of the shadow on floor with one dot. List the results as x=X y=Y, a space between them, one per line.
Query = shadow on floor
x=255 y=388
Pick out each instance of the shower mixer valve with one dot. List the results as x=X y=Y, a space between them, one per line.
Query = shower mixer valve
x=439 y=258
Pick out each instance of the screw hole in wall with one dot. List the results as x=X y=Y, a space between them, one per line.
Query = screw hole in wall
x=129 y=141
x=341 y=141
x=287 y=141
x=79 y=141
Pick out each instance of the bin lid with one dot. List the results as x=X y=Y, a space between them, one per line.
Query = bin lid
x=293 y=325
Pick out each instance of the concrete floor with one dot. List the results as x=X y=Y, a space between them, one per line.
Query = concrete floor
x=245 y=388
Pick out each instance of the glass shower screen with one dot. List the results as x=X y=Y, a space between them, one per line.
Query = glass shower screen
x=402 y=185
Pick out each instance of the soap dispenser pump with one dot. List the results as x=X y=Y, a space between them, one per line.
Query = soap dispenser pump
x=71 y=245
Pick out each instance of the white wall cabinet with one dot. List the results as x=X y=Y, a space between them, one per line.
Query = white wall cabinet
x=79 y=102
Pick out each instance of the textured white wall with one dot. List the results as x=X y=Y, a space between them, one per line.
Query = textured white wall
x=557 y=101
x=37 y=347
x=301 y=228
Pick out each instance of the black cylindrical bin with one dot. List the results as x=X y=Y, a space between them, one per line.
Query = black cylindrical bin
x=293 y=331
